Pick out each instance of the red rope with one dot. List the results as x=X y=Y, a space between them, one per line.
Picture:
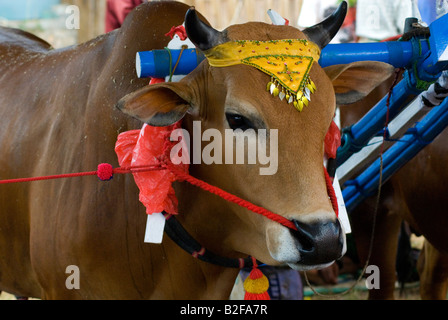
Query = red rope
x=59 y=176
x=121 y=170
x=229 y=197
x=331 y=192
x=105 y=172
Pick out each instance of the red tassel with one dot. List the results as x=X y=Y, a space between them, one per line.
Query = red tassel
x=256 y=285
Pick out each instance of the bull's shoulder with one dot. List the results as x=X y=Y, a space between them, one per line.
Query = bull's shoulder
x=21 y=40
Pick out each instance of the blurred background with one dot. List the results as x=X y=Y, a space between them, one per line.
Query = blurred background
x=367 y=20
x=46 y=19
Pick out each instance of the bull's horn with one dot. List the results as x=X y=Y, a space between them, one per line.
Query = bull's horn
x=202 y=35
x=322 y=33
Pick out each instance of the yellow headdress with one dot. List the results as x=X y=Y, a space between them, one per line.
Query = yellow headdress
x=288 y=62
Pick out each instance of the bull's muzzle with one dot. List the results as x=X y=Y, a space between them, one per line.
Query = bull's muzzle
x=319 y=242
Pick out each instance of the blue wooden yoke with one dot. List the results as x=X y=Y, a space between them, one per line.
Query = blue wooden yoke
x=412 y=142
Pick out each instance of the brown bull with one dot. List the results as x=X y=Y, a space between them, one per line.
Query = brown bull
x=415 y=194
x=57 y=116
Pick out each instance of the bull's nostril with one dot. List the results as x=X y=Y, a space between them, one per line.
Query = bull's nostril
x=305 y=239
x=319 y=242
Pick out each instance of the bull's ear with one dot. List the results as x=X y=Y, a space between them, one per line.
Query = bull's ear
x=352 y=82
x=158 y=105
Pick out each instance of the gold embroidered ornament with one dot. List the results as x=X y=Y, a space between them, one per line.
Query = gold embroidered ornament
x=288 y=62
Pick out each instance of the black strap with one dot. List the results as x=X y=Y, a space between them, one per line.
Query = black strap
x=183 y=239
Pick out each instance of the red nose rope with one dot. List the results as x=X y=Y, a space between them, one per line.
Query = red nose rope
x=182 y=176
x=105 y=172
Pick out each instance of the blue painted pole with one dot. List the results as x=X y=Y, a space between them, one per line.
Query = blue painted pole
x=416 y=138
x=156 y=63
x=400 y=54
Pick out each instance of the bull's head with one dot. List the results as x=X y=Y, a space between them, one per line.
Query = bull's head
x=234 y=96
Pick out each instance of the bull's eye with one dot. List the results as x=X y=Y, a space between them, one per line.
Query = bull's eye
x=237 y=121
